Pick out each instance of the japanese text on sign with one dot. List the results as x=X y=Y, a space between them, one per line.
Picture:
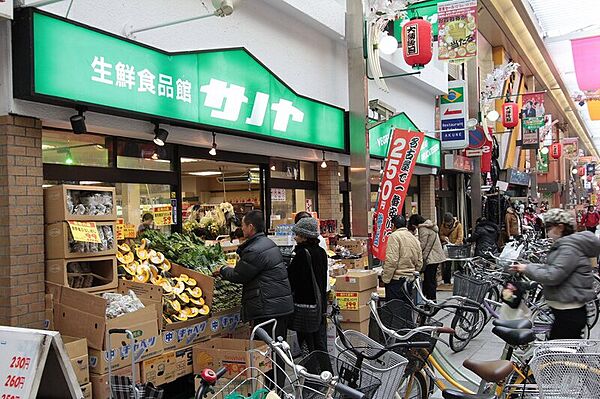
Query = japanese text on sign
x=18 y=365
x=347 y=300
x=129 y=231
x=119 y=229
x=163 y=215
x=85 y=232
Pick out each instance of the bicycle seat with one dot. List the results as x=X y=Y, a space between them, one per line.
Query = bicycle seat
x=454 y=394
x=513 y=324
x=490 y=371
x=514 y=337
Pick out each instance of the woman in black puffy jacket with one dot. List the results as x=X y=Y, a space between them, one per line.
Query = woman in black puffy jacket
x=485 y=237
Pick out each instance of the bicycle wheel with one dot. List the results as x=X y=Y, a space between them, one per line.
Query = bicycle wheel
x=542 y=320
x=482 y=319
x=464 y=325
x=592 y=313
x=418 y=388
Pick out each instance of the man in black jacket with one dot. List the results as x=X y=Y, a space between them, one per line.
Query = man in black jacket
x=266 y=292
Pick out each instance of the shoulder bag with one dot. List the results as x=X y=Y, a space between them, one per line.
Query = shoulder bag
x=306 y=317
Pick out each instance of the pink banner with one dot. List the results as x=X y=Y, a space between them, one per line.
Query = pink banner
x=586 y=56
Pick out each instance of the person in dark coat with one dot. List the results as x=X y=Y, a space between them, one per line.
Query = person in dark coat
x=485 y=236
x=266 y=292
x=307 y=237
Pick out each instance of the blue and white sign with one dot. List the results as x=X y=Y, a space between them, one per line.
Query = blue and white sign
x=453 y=117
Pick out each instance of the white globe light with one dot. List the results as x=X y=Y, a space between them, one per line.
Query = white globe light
x=388 y=44
x=324 y=164
x=493 y=116
x=574 y=171
x=545 y=150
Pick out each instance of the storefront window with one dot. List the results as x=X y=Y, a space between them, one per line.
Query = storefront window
x=64 y=148
x=134 y=200
x=307 y=171
x=286 y=202
x=293 y=170
x=144 y=155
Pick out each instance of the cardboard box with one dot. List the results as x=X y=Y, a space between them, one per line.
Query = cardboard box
x=184 y=362
x=356 y=247
x=48 y=313
x=55 y=203
x=185 y=336
x=87 y=391
x=355 y=316
x=158 y=370
x=78 y=354
x=360 y=263
x=100 y=381
x=362 y=327
x=230 y=353
x=150 y=293
x=224 y=322
x=104 y=270
x=352 y=301
x=57 y=242
x=356 y=280
x=83 y=314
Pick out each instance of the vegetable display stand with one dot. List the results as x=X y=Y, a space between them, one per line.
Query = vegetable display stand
x=60 y=243
x=81 y=203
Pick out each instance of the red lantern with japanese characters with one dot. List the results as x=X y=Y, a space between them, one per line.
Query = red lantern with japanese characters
x=556 y=150
x=581 y=171
x=417 y=42
x=510 y=115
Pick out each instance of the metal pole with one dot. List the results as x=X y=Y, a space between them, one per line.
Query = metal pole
x=357 y=95
x=166 y=24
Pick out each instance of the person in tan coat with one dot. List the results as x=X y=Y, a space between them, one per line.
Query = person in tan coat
x=403 y=257
x=513 y=223
x=431 y=248
x=451 y=232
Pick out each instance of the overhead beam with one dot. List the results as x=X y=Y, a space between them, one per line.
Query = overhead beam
x=578 y=34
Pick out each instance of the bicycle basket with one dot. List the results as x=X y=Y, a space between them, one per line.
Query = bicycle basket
x=459 y=251
x=389 y=368
x=359 y=379
x=470 y=287
x=567 y=369
x=401 y=317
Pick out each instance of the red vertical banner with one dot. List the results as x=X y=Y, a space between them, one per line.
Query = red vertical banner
x=401 y=160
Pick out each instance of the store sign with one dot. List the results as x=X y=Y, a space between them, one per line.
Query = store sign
x=379 y=137
x=85 y=232
x=553 y=187
x=570 y=147
x=278 y=194
x=542 y=164
x=533 y=113
x=400 y=163
x=225 y=88
x=428 y=10
x=6 y=9
x=129 y=231
x=119 y=235
x=163 y=215
x=457 y=36
x=453 y=116
x=458 y=163
x=517 y=177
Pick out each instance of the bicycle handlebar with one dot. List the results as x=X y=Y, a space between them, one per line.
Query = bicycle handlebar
x=325 y=378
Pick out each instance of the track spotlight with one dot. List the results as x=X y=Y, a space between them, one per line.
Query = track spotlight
x=213 y=150
x=324 y=163
x=78 y=123
x=160 y=135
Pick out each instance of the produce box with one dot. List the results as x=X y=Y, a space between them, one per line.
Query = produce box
x=87 y=391
x=82 y=314
x=60 y=243
x=158 y=370
x=78 y=354
x=355 y=316
x=225 y=321
x=48 y=313
x=352 y=301
x=362 y=327
x=355 y=246
x=232 y=354
x=184 y=362
x=100 y=381
x=360 y=263
x=85 y=274
x=356 y=280
x=82 y=203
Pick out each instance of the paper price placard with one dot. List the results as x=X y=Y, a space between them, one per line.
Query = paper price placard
x=120 y=227
x=347 y=300
x=85 y=232
x=18 y=364
x=163 y=215
x=129 y=231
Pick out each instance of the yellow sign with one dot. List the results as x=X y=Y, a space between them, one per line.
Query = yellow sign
x=163 y=215
x=85 y=232
x=119 y=233
x=129 y=231
x=594 y=199
x=347 y=300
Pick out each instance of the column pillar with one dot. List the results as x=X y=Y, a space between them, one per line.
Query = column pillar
x=329 y=193
x=21 y=222
x=427 y=192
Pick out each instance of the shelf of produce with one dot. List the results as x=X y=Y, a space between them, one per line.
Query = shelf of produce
x=60 y=245
x=65 y=271
x=89 y=203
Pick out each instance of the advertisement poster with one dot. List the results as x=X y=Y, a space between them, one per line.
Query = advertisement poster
x=457 y=30
x=453 y=117
x=401 y=161
x=570 y=147
x=533 y=112
x=542 y=164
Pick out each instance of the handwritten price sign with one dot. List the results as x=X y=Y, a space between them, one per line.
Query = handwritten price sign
x=129 y=231
x=85 y=232
x=18 y=365
x=163 y=215
x=347 y=300
x=120 y=227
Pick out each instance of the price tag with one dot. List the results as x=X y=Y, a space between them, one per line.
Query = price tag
x=18 y=364
x=129 y=231
x=85 y=232
x=163 y=215
x=120 y=227
x=347 y=300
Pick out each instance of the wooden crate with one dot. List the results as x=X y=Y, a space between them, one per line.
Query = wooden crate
x=105 y=267
x=55 y=204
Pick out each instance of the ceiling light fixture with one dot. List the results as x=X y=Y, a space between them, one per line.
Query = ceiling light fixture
x=69 y=157
x=273 y=167
x=78 y=123
x=213 y=150
x=205 y=173
x=324 y=163
x=160 y=135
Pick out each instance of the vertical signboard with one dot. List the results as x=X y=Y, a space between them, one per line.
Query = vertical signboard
x=402 y=157
x=453 y=116
x=457 y=30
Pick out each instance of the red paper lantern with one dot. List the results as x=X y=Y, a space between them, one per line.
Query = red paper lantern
x=417 y=42
x=556 y=150
x=581 y=171
x=510 y=115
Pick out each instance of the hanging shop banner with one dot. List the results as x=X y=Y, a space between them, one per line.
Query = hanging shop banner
x=542 y=164
x=400 y=163
x=531 y=139
x=228 y=88
x=532 y=113
x=6 y=9
x=379 y=137
x=457 y=31
x=453 y=116
x=570 y=147
x=85 y=232
x=163 y=215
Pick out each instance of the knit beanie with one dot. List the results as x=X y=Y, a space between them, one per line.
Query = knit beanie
x=307 y=227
